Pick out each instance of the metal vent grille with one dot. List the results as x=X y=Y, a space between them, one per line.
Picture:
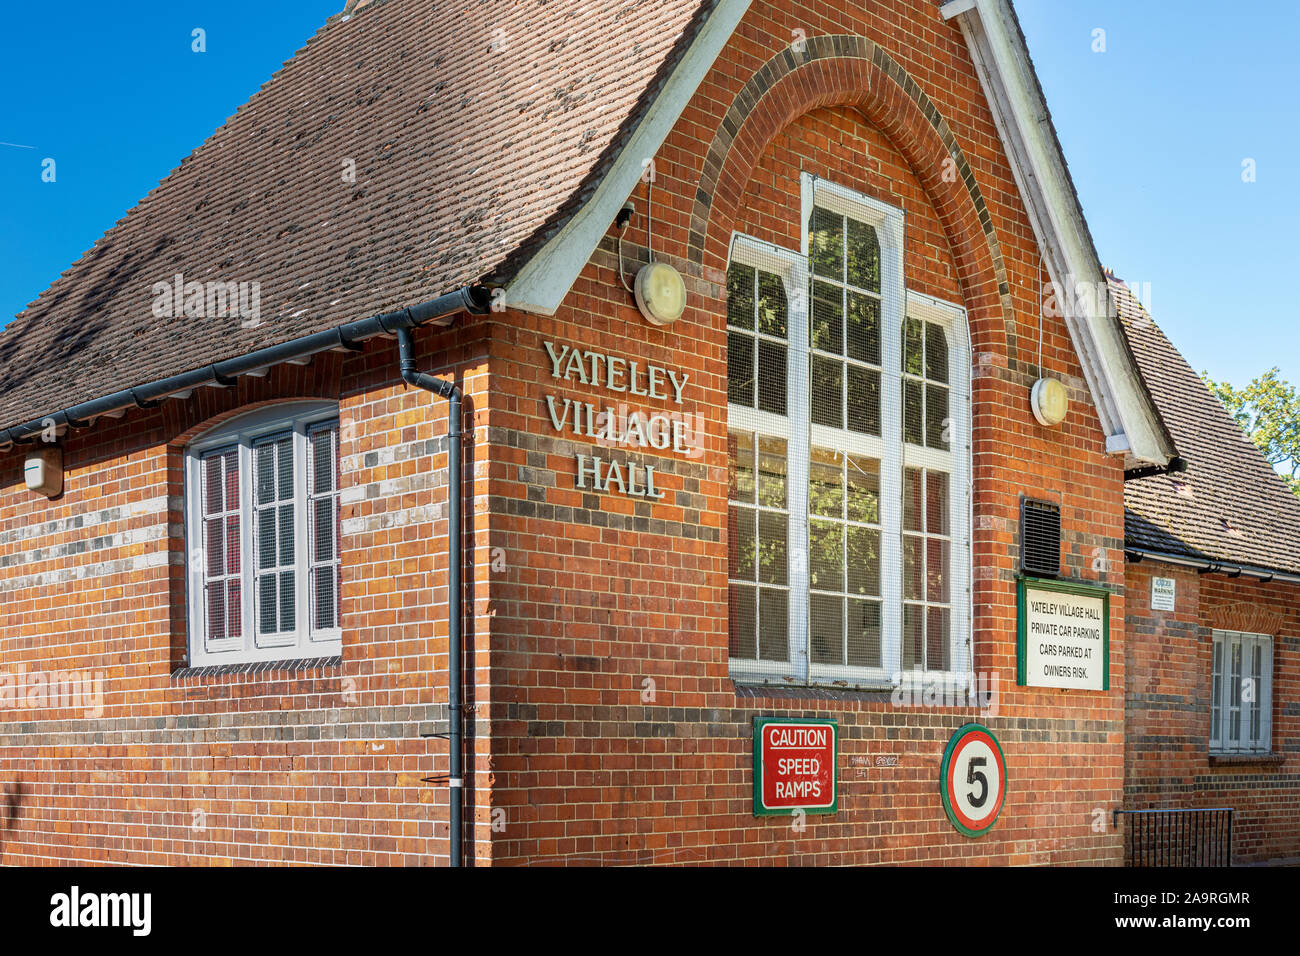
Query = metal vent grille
x=1040 y=538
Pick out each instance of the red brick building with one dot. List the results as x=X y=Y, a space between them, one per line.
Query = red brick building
x=781 y=473
x=1211 y=578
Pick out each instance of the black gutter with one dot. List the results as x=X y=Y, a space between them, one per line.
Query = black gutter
x=1176 y=464
x=448 y=390
x=473 y=299
x=1232 y=569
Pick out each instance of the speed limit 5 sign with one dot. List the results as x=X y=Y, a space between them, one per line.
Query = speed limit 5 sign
x=973 y=780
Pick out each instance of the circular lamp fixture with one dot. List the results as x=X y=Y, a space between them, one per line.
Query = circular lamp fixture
x=660 y=293
x=1050 y=401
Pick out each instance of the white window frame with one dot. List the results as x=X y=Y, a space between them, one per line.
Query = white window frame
x=242 y=433
x=792 y=269
x=1221 y=651
x=957 y=463
x=799 y=433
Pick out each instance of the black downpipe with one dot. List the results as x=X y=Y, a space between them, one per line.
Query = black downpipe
x=449 y=391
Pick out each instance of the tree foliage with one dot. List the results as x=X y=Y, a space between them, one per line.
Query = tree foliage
x=1268 y=410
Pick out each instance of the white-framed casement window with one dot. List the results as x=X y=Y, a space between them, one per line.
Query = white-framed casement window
x=262 y=535
x=849 y=441
x=1241 y=693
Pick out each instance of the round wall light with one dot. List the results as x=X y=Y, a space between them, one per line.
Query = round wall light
x=1050 y=401
x=660 y=293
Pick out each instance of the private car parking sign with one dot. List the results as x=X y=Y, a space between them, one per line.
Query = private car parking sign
x=973 y=780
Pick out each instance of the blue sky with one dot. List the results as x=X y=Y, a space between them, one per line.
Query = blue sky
x=1155 y=129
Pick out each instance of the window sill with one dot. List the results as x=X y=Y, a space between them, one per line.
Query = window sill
x=752 y=691
x=259 y=667
x=1233 y=760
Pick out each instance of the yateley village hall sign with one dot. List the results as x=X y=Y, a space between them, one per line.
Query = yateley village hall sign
x=615 y=426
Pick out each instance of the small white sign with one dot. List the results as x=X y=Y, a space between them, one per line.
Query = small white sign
x=1163 y=592
x=1065 y=640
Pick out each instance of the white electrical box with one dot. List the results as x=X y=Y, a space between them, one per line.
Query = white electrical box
x=43 y=471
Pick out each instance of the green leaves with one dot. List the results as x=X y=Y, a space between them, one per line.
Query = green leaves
x=1268 y=411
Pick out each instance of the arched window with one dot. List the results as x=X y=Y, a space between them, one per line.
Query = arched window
x=849 y=437
x=262 y=535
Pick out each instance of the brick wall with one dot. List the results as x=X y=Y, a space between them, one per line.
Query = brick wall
x=618 y=734
x=315 y=764
x=1167 y=710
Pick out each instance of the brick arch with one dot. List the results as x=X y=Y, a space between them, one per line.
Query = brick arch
x=847 y=70
x=1245 y=616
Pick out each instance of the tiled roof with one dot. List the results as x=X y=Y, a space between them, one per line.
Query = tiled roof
x=476 y=128
x=1230 y=505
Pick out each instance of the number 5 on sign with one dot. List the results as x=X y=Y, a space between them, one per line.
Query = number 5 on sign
x=973 y=780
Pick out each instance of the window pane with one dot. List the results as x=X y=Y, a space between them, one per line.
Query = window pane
x=864 y=400
x=826 y=243
x=1216 y=693
x=266 y=604
x=826 y=555
x=774 y=624
x=286 y=534
x=937 y=423
x=936 y=503
x=912 y=364
x=825 y=484
x=864 y=256
x=864 y=328
x=912 y=568
x=773 y=309
x=827 y=392
x=863 y=561
x=771 y=377
x=913 y=416
x=1256 y=698
x=912 y=652
x=863 y=633
x=323 y=525
x=234 y=609
x=912 y=499
x=771 y=472
x=325 y=592
x=827 y=332
x=215 y=596
x=740 y=296
x=936 y=353
x=863 y=489
x=826 y=629
x=288 y=601
x=213 y=534
x=937 y=645
x=743 y=629
x=740 y=369
x=1234 y=727
x=324 y=460
x=936 y=570
x=266 y=539
x=772 y=531
x=740 y=445
x=742 y=549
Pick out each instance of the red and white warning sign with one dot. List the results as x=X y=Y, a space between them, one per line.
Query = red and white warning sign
x=794 y=765
x=973 y=779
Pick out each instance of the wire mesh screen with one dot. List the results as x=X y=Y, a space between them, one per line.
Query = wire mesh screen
x=221 y=543
x=849 y=497
x=323 y=515
x=274 y=542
